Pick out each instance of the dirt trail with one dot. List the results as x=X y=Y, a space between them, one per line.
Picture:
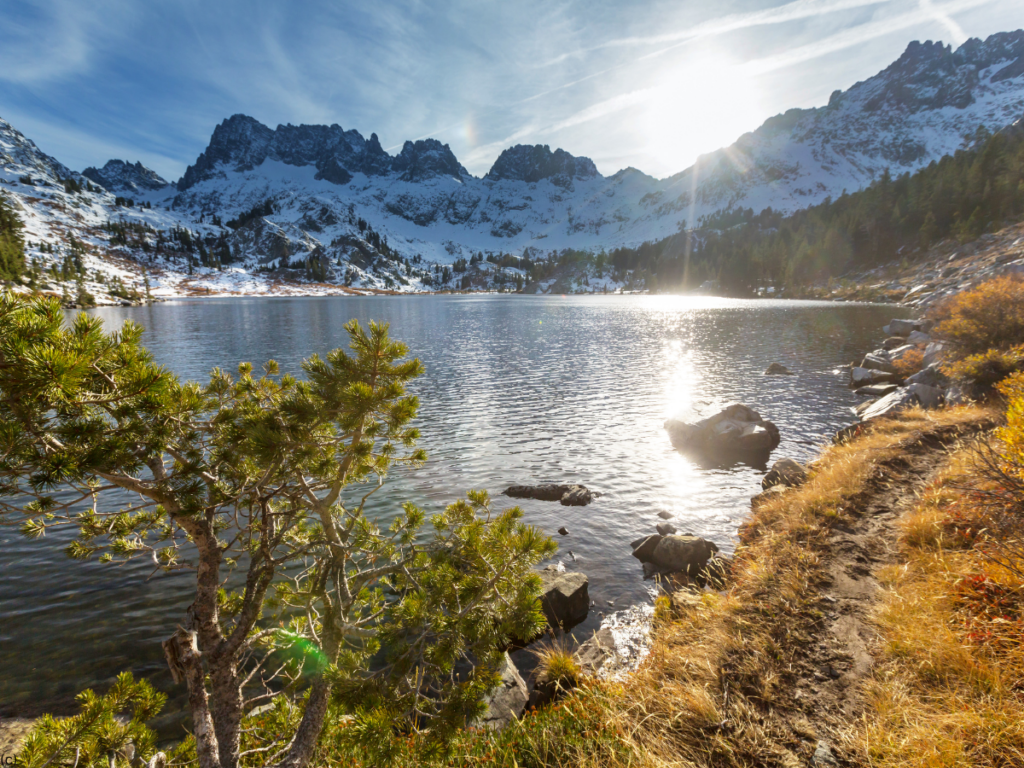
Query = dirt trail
x=829 y=672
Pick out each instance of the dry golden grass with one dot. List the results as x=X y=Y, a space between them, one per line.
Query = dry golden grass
x=950 y=688
x=714 y=689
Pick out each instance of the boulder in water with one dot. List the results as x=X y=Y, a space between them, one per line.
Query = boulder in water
x=568 y=495
x=736 y=430
x=688 y=554
x=565 y=598
x=785 y=472
x=777 y=369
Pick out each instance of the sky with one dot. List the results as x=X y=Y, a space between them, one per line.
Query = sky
x=647 y=83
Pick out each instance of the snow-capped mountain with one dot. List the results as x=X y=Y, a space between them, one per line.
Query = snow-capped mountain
x=266 y=199
x=119 y=176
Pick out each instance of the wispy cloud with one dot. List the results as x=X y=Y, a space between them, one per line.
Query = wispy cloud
x=794 y=11
x=862 y=34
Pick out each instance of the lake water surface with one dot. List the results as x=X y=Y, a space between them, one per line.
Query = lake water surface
x=518 y=389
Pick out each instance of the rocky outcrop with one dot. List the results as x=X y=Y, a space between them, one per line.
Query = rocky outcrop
x=738 y=430
x=565 y=598
x=777 y=369
x=567 y=495
x=508 y=701
x=785 y=472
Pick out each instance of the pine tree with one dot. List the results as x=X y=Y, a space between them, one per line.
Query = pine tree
x=267 y=473
x=12 y=245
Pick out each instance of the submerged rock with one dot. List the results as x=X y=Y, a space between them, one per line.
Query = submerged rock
x=568 y=495
x=665 y=529
x=777 y=369
x=785 y=472
x=736 y=430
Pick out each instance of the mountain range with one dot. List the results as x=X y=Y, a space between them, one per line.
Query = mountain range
x=296 y=193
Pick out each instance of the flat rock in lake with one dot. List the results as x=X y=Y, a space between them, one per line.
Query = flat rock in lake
x=567 y=495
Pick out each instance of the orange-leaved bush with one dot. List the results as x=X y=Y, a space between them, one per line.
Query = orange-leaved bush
x=990 y=316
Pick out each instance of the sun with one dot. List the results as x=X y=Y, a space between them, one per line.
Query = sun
x=698 y=107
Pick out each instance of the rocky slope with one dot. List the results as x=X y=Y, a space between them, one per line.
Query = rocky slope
x=327 y=197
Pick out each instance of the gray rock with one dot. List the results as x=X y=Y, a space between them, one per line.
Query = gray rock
x=683 y=553
x=876 y=390
x=565 y=598
x=892 y=342
x=927 y=396
x=917 y=337
x=905 y=397
x=823 y=757
x=875 y=362
x=563 y=531
x=666 y=529
x=931 y=376
x=902 y=327
x=508 y=700
x=934 y=352
x=597 y=652
x=568 y=495
x=777 y=369
x=959 y=393
x=736 y=430
x=665 y=515
x=860 y=408
x=861 y=377
x=785 y=472
x=644 y=551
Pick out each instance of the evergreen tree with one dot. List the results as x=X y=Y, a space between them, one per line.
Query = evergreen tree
x=266 y=474
x=12 y=245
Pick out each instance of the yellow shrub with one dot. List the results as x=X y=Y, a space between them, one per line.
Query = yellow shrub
x=1011 y=436
x=990 y=316
x=987 y=368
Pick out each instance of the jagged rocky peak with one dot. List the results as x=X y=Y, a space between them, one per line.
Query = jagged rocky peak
x=425 y=159
x=931 y=75
x=120 y=176
x=525 y=163
x=242 y=143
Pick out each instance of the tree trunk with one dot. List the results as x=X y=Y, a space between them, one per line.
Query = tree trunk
x=202 y=721
x=308 y=733
x=226 y=706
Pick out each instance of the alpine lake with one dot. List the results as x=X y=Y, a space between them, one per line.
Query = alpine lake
x=517 y=389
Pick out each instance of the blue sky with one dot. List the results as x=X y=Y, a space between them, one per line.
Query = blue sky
x=647 y=83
